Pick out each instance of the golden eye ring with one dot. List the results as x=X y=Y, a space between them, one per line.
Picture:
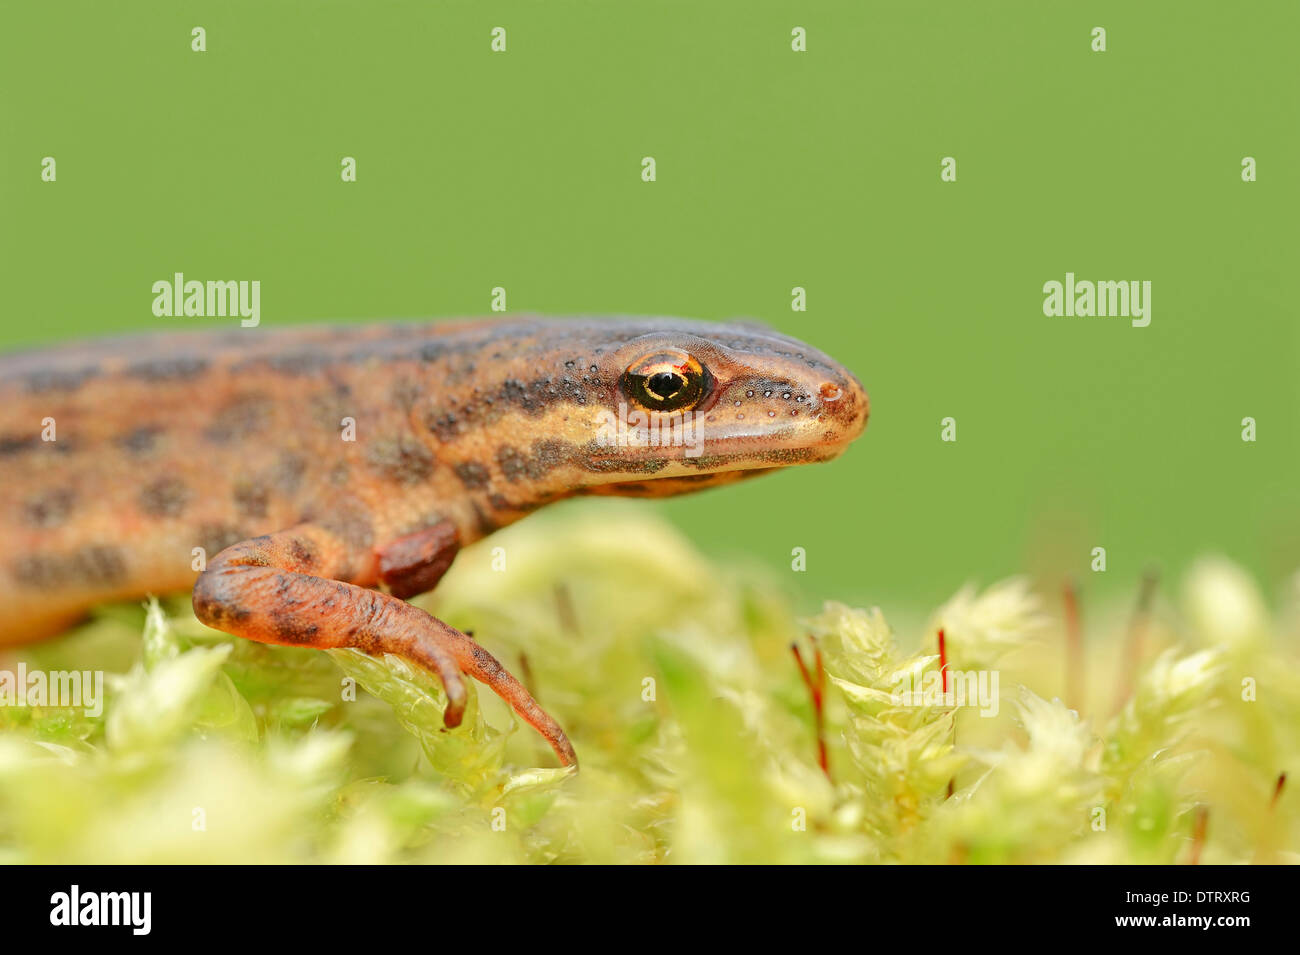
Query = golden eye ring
x=666 y=381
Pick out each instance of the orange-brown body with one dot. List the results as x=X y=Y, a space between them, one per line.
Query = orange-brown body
x=371 y=452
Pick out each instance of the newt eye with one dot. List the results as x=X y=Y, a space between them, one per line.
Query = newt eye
x=666 y=381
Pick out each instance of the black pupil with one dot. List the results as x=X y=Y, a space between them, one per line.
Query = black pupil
x=663 y=384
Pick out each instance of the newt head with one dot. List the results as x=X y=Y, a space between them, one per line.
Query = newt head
x=693 y=404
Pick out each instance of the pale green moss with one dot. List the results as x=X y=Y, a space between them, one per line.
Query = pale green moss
x=678 y=689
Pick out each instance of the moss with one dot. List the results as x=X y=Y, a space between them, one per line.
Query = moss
x=677 y=686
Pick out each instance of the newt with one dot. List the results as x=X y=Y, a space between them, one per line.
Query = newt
x=306 y=482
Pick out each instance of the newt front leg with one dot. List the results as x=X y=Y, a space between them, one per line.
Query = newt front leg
x=285 y=589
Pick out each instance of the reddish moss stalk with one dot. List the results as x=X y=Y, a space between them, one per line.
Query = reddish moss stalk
x=565 y=610
x=943 y=660
x=1266 y=847
x=943 y=668
x=816 y=683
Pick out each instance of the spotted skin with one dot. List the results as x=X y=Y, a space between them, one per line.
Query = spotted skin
x=322 y=474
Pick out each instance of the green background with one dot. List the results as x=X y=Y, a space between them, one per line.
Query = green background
x=775 y=169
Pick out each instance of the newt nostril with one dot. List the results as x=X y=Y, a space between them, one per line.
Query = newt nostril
x=829 y=391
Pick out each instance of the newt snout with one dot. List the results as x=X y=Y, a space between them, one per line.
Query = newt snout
x=718 y=407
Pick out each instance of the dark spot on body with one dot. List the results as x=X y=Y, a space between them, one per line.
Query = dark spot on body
x=351 y=524
x=630 y=466
x=513 y=464
x=140 y=440
x=165 y=369
x=60 y=379
x=486 y=525
x=240 y=418
x=214 y=538
x=434 y=351
x=328 y=407
x=49 y=508
x=37 y=570
x=165 y=497
x=294 y=631
x=299 y=363
x=100 y=565
x=303 y=553
x=532 y=397
x=778 y=457
x=251 y=498
x=472 y=474
x=443 y=425
x=549 y=455
x=486 y=663
x=215 y=605
x=513 y=391
x=402 y=459
x=15 y=443
x=544 y=457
